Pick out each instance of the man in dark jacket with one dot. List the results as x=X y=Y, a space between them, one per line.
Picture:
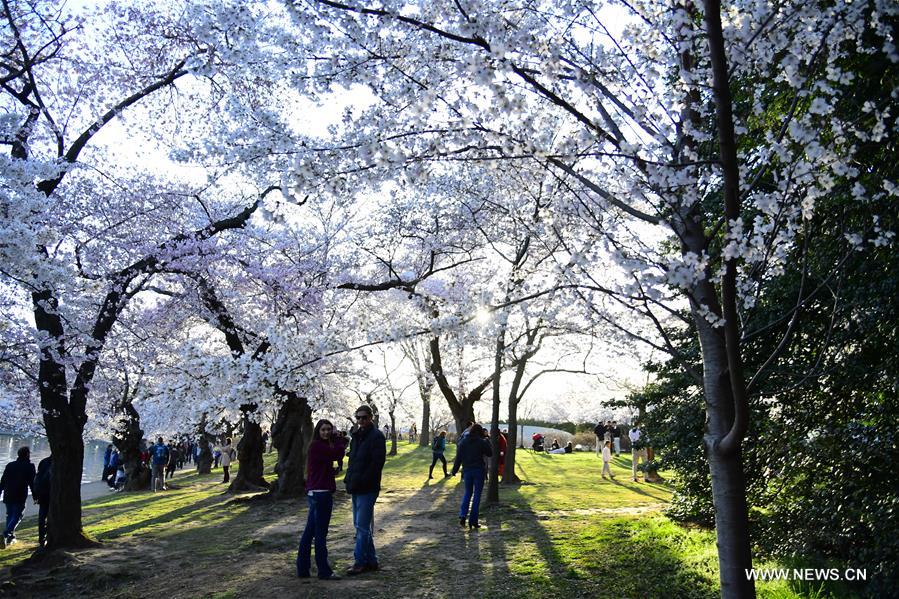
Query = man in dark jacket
x=368 y=452
x=17 y=478
x=41 y=494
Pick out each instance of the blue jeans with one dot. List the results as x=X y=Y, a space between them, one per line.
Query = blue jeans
x=320 y=505
x=364 y=521
x=13 y=517
x=474 y=484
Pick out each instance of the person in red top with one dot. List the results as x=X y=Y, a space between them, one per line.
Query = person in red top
x=326 y=448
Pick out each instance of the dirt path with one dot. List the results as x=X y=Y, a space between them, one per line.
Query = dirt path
x=246 y=547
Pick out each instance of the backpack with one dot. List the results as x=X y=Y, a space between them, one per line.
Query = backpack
x=434 y=444
x=160 y=454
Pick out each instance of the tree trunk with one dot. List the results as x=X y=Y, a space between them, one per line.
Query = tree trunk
x=493 y=475
x=127 y=440
x=424 y=435
x=392 y=433
x=291 y=434
x=64 y=521
x=249 y=454
x=204 y=457
x=510 y=476
x=728 y=482
x=64 y=425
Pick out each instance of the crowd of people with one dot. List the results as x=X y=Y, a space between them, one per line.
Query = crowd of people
x=325 y=457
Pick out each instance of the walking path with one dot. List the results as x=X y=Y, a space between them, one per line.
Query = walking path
x=88 y=491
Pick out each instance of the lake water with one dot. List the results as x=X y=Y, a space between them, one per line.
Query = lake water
x=40 y=448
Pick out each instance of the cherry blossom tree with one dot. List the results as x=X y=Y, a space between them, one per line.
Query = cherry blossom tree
x=694 y=141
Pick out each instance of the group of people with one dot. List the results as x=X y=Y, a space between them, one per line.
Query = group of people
x=18 y=477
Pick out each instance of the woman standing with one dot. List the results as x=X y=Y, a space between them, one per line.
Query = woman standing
x=325 y=449
x=470 y=456
x=226 y=459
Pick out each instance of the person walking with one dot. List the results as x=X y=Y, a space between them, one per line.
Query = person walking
x=115 y=460
x=470 y=457
x=107 y=456
x=437 y=449
x=368 y=452
x=616 y=438
x=326 y=448
x=159 y=457
x=606 y=458
x=18 y=477
x=227 y=456
x=41 y=494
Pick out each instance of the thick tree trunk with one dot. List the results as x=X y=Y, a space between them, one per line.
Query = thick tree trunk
x=64 y=521
x=204 y=457
x=127 y=440
x=291 y=434
x=249 y=454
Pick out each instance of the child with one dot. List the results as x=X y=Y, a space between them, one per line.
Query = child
x=606 y=458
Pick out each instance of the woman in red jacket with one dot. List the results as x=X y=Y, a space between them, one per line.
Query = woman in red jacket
x=326 y=448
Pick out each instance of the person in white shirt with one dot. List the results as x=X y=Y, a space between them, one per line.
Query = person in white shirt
x=638 y=452
x=606 y=458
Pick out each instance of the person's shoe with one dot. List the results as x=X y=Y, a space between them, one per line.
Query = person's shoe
x=472 y=525
x=355 y=570
x=331 y=577
x=372 y=567
x=12 y=541
x=303 y=575
x=430 y=477
x=461 y=520
x=634 y=479
x=446 y=475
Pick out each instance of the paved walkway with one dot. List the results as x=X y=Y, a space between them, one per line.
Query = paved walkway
x=88 y=491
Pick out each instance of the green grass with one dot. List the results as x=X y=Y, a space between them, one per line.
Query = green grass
x=564 y=532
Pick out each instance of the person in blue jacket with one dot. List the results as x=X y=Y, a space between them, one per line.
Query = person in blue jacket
x=470 y=456
x=437 y=449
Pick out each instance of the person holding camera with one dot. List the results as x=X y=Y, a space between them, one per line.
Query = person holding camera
x=368 y=452
x=327 y=447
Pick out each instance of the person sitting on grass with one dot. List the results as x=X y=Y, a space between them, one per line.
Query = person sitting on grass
x=555 y=445
x=560 y=450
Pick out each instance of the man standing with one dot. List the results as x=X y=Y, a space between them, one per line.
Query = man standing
x=638 y=450
x=17 y=478
x=41 y=494
x=599 y=430
x=616 y=438
x=159 y=456
x=368 y=452
x=227 y=455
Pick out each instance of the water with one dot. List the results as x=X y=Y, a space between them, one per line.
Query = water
x=93 y=453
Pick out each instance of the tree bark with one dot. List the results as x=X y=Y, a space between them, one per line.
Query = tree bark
x=510 y=476
x=392 y=433
x=291 y=434
x=424 y=435
x=249 y=453
x=127 y=440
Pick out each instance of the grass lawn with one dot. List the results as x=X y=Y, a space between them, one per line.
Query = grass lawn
x=564 y=532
